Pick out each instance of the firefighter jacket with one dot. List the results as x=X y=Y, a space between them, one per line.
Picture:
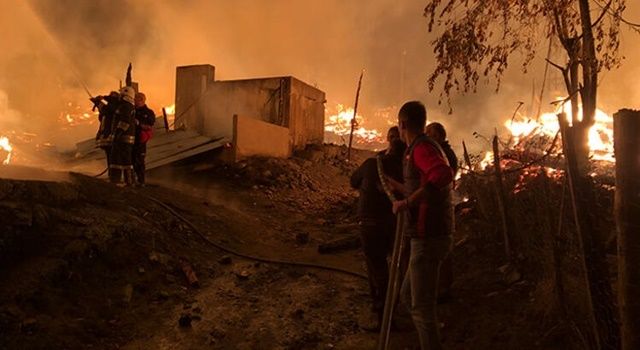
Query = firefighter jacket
x=107 y=108
x=123 y=126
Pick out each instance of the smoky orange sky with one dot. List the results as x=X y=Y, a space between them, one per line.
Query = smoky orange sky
x=49 y=46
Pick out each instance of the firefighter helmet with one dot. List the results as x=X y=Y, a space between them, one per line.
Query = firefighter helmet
x=128 y=94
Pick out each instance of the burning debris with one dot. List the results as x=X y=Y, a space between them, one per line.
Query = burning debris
x=5 y=150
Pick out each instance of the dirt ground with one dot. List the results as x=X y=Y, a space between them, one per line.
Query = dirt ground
x=85 y=265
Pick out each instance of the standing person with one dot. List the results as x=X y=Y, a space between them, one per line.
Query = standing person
x=145 y=118
x=428 y=220
x=106 y=107
x=123 y=132
x=437 y=132
x=392 y=134
x=377 y=222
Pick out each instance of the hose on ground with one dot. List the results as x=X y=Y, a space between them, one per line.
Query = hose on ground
x=251 y=257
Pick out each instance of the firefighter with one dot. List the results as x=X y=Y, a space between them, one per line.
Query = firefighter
x=123 y=133
x=377 y=222
x=428 y=220
x=145 y=118
x=106 y=106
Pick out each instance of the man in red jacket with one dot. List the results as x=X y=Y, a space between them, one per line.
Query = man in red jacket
x=428 y=220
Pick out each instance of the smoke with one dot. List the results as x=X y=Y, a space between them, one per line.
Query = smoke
x=55 y=47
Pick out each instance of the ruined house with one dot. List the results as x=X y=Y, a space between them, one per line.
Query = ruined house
x=265 y=116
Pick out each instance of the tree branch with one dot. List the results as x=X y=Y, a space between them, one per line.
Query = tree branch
x=562 y=69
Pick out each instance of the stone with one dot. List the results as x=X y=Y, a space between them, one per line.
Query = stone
x=302 y=237
x=225 y=260
x=185 y=321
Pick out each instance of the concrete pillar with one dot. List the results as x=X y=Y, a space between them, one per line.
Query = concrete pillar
x=191 y=84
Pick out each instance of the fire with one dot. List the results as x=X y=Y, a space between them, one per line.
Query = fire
x=5 y=147
x=487 y=160
x=77 y=115
x=171 y=110
x=600 y=134
x=340 y=125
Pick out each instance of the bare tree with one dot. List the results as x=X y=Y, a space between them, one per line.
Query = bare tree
x=478 y=39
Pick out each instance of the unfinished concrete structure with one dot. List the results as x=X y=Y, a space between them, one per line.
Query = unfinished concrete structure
x=208 y=106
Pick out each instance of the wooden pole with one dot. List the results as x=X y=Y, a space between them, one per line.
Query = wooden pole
x=602 y=314
x=626 y=131
x=166 y=120
x=473 y=181
x=395 y=270
x=502 y=198
x=353 y=120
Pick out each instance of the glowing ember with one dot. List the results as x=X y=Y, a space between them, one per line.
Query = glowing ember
x=600 y=134
x=340 y=124
x=5 y=147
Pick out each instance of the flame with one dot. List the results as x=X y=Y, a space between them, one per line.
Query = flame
x=77 y=115
x=340 y=124
x=6 y=147
x=170 y=110
x=487 y=160
x=600 y=134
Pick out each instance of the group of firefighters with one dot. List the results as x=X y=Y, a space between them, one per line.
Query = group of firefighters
x=419 y=166
x=126 y=124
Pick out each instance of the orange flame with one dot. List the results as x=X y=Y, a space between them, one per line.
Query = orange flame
x=600 y=134
x=6 y=147
x=340 y=124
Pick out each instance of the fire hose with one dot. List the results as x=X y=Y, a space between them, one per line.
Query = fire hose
x=393 y=284
x=252 y=257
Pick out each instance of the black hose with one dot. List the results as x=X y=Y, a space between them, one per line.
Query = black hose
x=250 y=257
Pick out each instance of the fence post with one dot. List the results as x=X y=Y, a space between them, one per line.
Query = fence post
x=626 y=130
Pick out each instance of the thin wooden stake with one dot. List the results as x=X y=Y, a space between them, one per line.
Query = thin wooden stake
x=502 y=198
x=355 y=112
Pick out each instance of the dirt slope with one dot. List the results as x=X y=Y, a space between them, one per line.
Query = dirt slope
x=86 y=265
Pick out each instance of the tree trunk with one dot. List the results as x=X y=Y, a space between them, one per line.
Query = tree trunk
x=626 y=124
x=589 y=89
x=603 y=316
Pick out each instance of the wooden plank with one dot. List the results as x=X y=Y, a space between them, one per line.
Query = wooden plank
x=163 y=145
x=175 y=148
x=187 y=153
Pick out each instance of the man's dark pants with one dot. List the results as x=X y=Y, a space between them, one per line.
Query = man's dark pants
x=377 y=242
x=139 y=153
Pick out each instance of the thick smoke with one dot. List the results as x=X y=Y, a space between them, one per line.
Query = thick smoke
x=54 y=47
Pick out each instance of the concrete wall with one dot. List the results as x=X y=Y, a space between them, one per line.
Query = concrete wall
x=253 y=137
x=254 y=98
x=191 y=83
x=306 y=114
x=283 y=101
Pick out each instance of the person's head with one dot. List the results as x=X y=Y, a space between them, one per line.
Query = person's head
x=127 y=93
x=392 y=134
x=437 y=132
x=412 y=119
x=140 y=99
